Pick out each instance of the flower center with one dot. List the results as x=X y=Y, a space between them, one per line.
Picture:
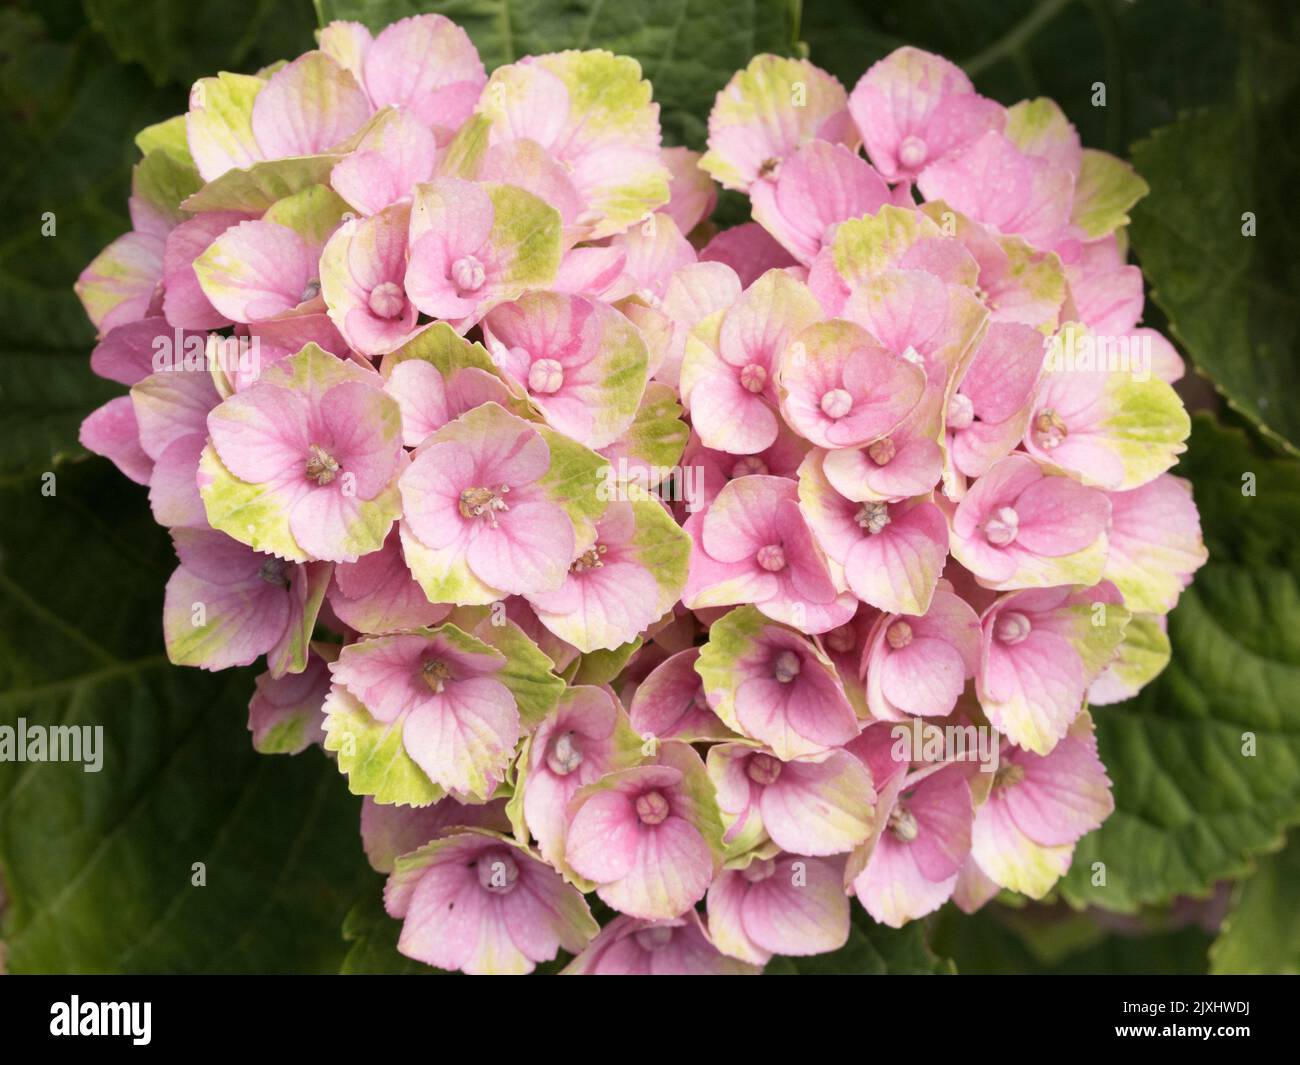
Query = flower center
x=842 y=640
x=653 y=939
x=545 y=376
x=1011 y=627
x=1001 y=529
x=836 y=403
x=310 y=291
x=484 y=503
x=961 y=411
x=899 y=635
x=651 y=808
x=872 y=517
x=758 y=870
x=497 y=873
x=769 y=167
x=435 y=674
x=750 y=464
x=589 y=559
x=273 y=572
x=771 y=557
x=786 y=666
x=913 y=152
x=763 y=769
x=1008 y=775
x=1049 y=429
x=753 y=377
x=387 y=300
x=563 y=755
x=902 y=823
x=882 y=452
x=321 y=465
x=468 y=275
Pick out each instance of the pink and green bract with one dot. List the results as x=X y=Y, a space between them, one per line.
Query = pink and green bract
x=615 y=558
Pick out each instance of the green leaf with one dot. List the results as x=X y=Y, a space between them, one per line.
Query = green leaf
x=1211 y=175
x=67 y=115
x=1043 y=941
x=99 y=867
x=177 y=43
x=1192 y=805
x=688 y=49
x=1261 y=933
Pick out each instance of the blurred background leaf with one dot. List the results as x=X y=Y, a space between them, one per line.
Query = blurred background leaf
x=98 y=867
x=1261 y=933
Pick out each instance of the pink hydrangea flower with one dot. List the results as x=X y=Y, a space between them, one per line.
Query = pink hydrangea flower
x=1021 y=527
x=459 y=723
x=285 y=714
x=773 y=685
x=480 y=903
x=924 y=839
x=787 y=904
x=1039 y=807
x=891 y=553
x=648 y=837
x=729 y=372
x=840 y=388
x=1040 y=650
x=913 y=109
x=918 y=666
x=473 y=500
x=226 y=605
x=670 y=703
x=817 y=805
x=586 y=737
x=317 y=442
x=753 y=545
x=677 y=946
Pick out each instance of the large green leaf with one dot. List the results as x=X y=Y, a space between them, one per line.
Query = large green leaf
x=1261 y=933
x=179 y=43
x=1214 y=237
x=67 y=116
x=992 y=943
x=99 y=867
x=687 y=48
x=1192 y=805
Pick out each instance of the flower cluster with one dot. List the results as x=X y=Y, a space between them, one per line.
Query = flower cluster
x=726 y=575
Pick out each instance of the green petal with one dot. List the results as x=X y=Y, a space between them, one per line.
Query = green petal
x=1106 y=189
x=528 y=672
x=313 y=213
x=164 y=181
x=865 y=246
x=255 y=188
x=168 y=136
x=371 y=755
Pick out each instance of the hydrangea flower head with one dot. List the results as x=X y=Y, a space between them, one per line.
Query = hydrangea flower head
x=609 y=552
